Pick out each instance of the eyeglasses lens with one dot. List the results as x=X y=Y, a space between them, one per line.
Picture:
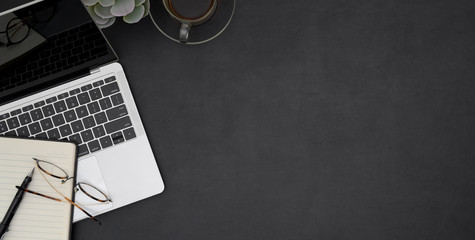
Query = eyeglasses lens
x=17 y=30
x=93 y=192
x=52 y=170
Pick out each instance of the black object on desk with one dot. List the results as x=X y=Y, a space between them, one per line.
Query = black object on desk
x=307 y=120
x=14 y=206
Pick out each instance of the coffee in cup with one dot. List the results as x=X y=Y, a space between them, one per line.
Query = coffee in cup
x=190 y=13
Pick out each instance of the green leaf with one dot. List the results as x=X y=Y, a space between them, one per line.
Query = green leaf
x=147 y=7
x=103 y=12
x=135 y=15
x=106 y=3
x=94 y=16
x=109 y=22
x=122 y=7
x=139 y=2
x=89 y=2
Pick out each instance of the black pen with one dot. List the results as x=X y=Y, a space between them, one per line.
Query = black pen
x=14 y=206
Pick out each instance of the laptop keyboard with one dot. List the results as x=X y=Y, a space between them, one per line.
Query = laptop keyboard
x=93 y=115
x=63 y=51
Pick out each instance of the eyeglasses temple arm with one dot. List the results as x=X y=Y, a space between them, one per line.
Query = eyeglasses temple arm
x=37 y=193
x=59 y=200
x=84 y=211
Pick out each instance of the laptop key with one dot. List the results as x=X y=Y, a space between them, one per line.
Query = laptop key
x=67 y=50
x=99 y=131
x=116 y=112
x=58 y=120
x=70 y=115
x=48 y=110
x=81 y=111
x=27 y=108
x=15 y=112
x=13 y=122
x=83 y=98
x=39 y=104
x=65 y=130
x=89 y=122
x=118 y=124
x=95 y=94
x=110 y=88
x=34 y=128
x=11 y=133
x=53 y=134
x=117 y=99
x=87 y=135
x=75 y=138
x=51 y=99
x=63 y=95
x=109 y=79
x=41 y=135
x=77 y=126
x=3 y=126
x=77 y=50
x=55 y=57
x=4 y=116
x=74 y=91
x=32 y=66
x=105 y=103
x=72 y=102
x=117 y=137
x=129 y=133
x=23 y=131
x=24 y=118
x=94 y=146
x=73 y=59
x=98 y=83
x=44 y=55
x=60 y=106
x=106 y=141
x=86 y=87
x=93 y=107
x=36 y=114
x=49 y=68
x=82 y=150
x=100 y=118
x=46 y=124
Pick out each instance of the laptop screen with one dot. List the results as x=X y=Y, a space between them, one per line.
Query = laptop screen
x=8 y=6
x=46 y=44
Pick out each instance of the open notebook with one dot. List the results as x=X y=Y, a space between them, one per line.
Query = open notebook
x=37 y=217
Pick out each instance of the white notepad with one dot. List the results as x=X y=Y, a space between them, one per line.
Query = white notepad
x=37 y=217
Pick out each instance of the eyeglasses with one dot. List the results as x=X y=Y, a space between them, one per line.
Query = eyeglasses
x=18 y=28
x=56 y=172
x=16 y=31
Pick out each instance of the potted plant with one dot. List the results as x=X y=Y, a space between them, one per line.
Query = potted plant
x=105 y=12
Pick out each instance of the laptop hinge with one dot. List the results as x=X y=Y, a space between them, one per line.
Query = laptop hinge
x=95 y=70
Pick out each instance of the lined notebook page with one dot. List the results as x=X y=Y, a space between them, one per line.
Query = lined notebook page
x=37 y=217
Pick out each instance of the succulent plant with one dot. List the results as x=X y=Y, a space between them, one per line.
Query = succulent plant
x=104 y=12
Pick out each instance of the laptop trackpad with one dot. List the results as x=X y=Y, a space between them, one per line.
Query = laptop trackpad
x=88 y=172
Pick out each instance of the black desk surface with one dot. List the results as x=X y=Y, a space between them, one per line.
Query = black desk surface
x=307 y=120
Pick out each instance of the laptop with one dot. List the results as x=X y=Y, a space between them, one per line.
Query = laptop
x=60 y=79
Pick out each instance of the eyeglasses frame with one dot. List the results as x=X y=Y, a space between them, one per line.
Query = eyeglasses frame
x=64 y=180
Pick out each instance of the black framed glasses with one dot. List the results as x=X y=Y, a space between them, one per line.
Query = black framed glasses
x=18 y=28
x=56 y=172
x=16 y=31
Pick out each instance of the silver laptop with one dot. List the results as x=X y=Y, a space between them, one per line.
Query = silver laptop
x=60 y=79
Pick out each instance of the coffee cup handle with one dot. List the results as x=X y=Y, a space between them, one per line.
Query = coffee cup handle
x=184 y=32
